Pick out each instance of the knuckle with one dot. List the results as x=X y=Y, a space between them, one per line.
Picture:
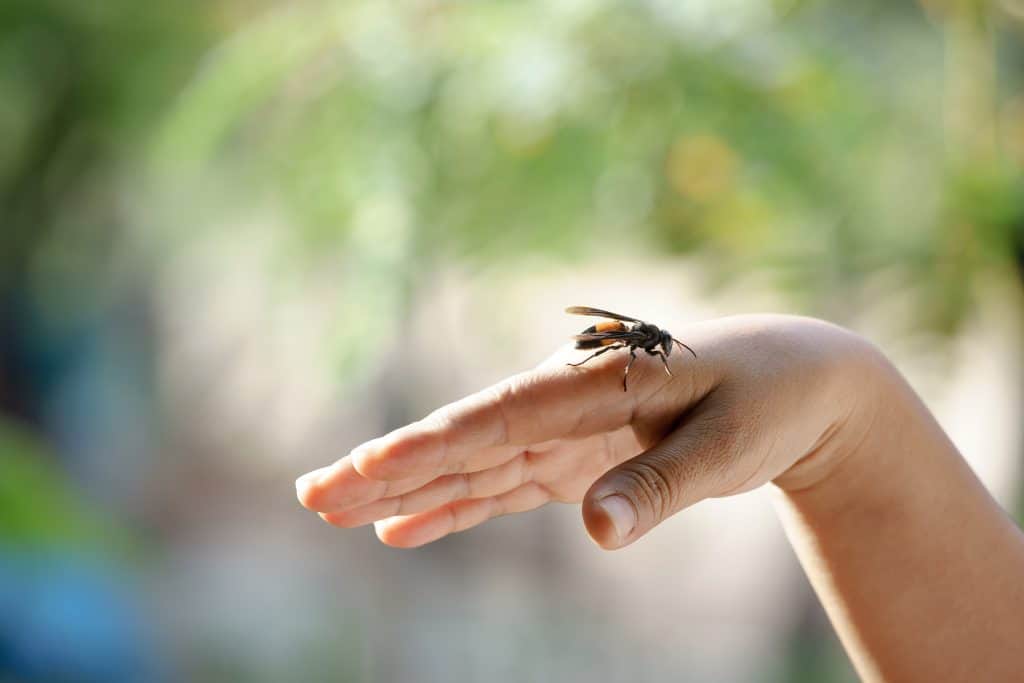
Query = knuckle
x=655 y=484
x=464 y=486
x=438 y=421
x=514 y=388
x=506 y=398
x=433 y=433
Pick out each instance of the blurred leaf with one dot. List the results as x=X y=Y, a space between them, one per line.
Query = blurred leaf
x=38 y=507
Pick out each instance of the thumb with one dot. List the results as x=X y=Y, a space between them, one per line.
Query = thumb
x=687 y=466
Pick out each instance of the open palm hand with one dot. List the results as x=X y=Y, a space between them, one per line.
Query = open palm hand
x=759 y=398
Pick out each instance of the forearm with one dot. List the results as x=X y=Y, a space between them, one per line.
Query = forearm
x=920 y=571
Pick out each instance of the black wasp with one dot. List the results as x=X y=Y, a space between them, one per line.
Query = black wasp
x=624 y=332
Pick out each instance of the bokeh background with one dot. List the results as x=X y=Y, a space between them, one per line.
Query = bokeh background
x=239 y=238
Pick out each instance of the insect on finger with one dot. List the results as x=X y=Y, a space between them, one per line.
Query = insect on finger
x=623 y=331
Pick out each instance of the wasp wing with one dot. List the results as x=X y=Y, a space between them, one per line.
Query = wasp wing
x=597 y=336
x=594 y=340
x=597 y=312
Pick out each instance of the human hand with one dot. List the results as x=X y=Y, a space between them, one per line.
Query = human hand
x=769 y=398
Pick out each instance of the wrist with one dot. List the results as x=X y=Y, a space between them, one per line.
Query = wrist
x=874 y=409
x=884 y=458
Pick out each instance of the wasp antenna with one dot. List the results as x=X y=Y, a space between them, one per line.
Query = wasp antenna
x=685 y=346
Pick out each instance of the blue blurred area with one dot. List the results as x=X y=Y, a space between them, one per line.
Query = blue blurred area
x=70 y=618
x=69 y=610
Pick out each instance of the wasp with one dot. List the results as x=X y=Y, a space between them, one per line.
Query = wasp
x=624 y=332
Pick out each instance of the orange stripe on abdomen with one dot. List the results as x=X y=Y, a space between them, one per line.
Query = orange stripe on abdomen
x=610 y=326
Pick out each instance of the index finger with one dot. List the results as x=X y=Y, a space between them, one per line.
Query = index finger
x=550 y=402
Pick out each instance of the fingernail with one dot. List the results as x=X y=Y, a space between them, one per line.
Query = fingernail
x=310 y=477
x=622 y=514
x=365 y=457
x=360 y=452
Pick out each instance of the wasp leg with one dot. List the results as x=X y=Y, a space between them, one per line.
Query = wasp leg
x=632 y=357
x=664 y=360
x=597 y=353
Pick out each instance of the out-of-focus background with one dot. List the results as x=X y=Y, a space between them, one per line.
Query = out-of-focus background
x=239 y=238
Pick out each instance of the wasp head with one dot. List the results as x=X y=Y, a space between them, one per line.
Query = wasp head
x=666 y=342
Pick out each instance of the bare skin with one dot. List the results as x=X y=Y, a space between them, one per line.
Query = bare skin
x=919 y=569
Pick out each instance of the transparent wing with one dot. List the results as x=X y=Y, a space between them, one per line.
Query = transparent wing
x=600 y=313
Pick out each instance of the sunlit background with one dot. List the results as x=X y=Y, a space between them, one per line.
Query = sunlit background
x=239 y=238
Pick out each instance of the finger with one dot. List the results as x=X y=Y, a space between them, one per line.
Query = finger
x=340 y=487
x=553 y=401
x=425 y=527
x=687 y=466
x=491 y=482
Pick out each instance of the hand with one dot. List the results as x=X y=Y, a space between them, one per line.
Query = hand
x=767 y=398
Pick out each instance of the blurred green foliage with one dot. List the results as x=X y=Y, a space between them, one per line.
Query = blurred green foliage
x=39 y=508
x=82 y=86
x=810 y=138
